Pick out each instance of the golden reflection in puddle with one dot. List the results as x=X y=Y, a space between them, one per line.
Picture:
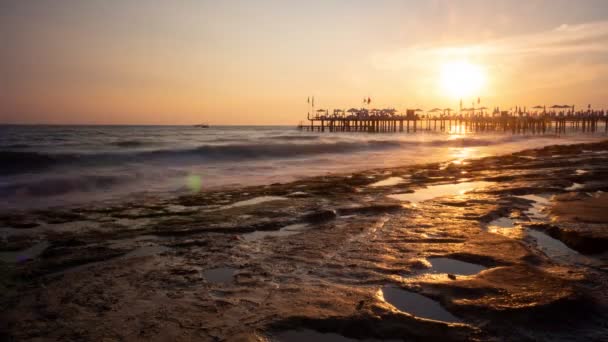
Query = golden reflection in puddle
x=513 y=233
x=435 y=191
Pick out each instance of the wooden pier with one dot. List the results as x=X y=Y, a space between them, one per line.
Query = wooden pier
x=465 y=121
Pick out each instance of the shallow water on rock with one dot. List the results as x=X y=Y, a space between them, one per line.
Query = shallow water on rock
x=539 y=202
x=291 y=229
x=552 y=247
x=416 y=304
x=254 y=201
x=503 y=222
x=435 y=191
x=505 y=226
x=453 y=266
x=220 y=275
x=26 y=254
x=387 y=182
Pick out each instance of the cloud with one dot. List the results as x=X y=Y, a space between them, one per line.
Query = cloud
x=562 y=57
x=589 y=38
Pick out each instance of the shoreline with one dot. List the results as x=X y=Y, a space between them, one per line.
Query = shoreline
x=328 y=255
x=116 y=165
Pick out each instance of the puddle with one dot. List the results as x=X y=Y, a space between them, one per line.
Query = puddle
x=503 y=222
x=440 y=191
x=387 y=182
x=220 y=275
x=254 y=201
x=415 y=304
x=539 y=202
x=505 y=226
x=307 y=335
x=26 y=254
x=553 y=248
x=292 y=229
x=453 y=266
x=575 y=186
x=557 y=250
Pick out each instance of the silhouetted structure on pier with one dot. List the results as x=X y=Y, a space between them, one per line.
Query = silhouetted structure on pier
x=558 y=119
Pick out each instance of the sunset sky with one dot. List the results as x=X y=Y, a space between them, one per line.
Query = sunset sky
x=256 y=62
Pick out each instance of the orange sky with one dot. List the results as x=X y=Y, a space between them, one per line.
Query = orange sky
x=256 y=62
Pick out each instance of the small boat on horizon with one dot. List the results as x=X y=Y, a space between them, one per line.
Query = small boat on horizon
x=203 y=125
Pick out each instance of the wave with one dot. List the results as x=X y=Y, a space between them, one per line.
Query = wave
x=294 y=137
x=62 y=186
x=18 y=146
x=17 y=162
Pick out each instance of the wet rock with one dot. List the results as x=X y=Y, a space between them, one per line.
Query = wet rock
x=59 y=258
x=374 y=209
x=420 y=264
x=18 y=221
x=320 y=216
x=323 y=280
x=58 y=217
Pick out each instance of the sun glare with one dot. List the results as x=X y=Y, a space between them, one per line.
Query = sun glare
x=462 y=79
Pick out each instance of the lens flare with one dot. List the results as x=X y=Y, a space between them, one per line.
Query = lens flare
x=194 y=183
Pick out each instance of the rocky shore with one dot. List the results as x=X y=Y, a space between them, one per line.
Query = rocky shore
x=511 y=247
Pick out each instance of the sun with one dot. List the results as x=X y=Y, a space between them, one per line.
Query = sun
x=462 y=79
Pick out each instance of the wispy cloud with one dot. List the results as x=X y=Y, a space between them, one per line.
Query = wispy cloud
x=564 y=56
x=588 y=39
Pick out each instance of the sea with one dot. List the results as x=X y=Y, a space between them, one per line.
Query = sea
x=55 y=166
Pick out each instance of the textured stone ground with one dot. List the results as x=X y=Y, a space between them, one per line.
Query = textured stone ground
x=210 y=267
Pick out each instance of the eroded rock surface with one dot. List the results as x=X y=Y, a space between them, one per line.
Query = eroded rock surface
x=183 y=269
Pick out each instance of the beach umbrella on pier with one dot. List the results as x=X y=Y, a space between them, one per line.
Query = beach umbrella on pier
x=418 y=110
x=537 y=107
x=435 y=110
x=353 y=110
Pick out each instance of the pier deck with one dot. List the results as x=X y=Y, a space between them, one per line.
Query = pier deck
x=552 y=122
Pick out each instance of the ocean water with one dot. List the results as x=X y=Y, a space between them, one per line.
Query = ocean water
x=47 y=166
